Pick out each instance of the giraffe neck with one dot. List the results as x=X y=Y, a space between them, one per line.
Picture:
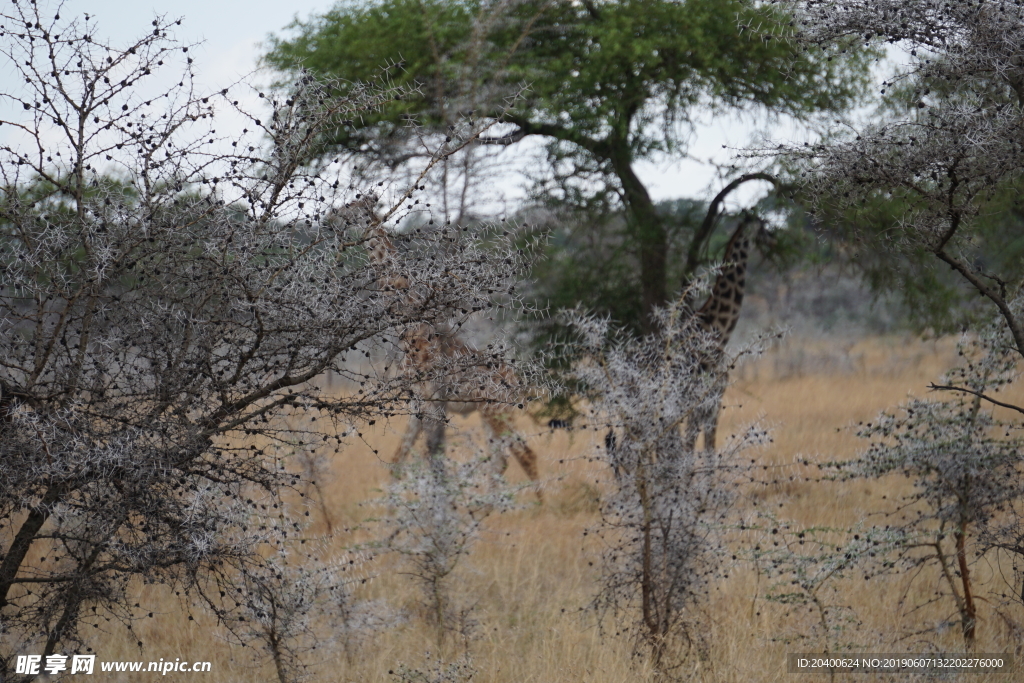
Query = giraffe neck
x=380 y=248
x=422 y=343
x=722 y=309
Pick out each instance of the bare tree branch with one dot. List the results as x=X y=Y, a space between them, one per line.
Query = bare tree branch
x=965 y=390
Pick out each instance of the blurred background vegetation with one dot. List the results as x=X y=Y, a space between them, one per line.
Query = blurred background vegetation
x=608 y=85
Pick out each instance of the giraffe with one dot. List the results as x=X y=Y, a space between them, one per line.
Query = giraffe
x=425 y=345
x=424 y=348
x=718 y=316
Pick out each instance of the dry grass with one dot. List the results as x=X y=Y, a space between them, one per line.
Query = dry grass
x=531 y=575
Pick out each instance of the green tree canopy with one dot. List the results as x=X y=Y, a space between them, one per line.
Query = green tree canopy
x=610 y=83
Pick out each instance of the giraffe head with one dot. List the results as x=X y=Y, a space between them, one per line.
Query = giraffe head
x=359 y=212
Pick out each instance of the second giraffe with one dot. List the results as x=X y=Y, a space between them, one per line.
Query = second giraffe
x=719 y=315
x=426 y=348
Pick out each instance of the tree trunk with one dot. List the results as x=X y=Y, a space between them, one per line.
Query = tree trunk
x=969 y=613
x=652 y=239
x=23 y=540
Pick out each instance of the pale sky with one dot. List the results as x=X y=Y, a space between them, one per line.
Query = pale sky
x=232 y=32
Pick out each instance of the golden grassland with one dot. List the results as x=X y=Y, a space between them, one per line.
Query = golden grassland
x=532 y=572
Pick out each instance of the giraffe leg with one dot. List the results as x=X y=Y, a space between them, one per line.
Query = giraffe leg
x=412 y=431
x=525 y=456
x=704 y=418
x=693 y=424
x=711 y=428
x=527 y=459
x=713 y=412
x=495 y=443
x=504 y=438
x=611 y=447
x=435 y=424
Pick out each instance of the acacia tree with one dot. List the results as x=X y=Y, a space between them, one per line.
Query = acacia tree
x=945 y=110
x=962 y=476
x=663 y=523
x=966 y=501
x=610 y=84
x=168 y=298
x=948 y=163
x=431 y=519
x=806 y=565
